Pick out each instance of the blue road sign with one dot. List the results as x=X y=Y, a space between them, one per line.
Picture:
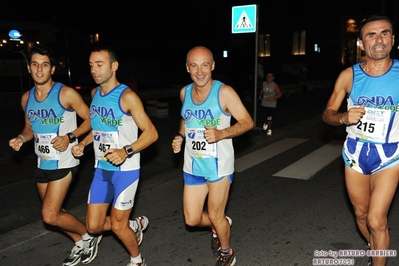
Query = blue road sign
x=244 y=19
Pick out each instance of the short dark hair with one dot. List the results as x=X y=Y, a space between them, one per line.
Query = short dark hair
x=99 y=47
x=43 y=50
x=370 y=19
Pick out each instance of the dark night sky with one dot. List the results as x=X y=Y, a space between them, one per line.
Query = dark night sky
x=164 y=18
x=155 y=26
x=175 y=19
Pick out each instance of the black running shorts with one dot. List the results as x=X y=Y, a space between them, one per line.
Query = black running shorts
x=45 y=176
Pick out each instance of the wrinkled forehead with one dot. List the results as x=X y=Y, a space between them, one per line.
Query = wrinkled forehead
x=376 y=26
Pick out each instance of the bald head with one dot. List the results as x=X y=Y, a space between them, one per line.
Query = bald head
x=199 y=50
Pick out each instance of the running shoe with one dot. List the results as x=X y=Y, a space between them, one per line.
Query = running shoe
x=215 y=243
x=137 y=264
x=226 y=259
x=90 y=249
x=73 y=258
x=265 y=126
x=269 y=132
x=142 y=223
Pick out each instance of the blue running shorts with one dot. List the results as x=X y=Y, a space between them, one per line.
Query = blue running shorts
x=193 y=180
x=118 y=187
x=368 y=158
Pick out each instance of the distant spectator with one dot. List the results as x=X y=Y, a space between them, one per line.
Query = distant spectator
x=268 y=95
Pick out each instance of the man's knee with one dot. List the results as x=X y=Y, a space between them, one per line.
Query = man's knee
x=50 y=218
x=94 y=227
x=360 y=212
x=377 y=224
x=192 y=221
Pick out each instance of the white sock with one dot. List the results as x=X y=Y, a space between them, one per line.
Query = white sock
x=137 y=259
x=86 y=237
x=79 y=243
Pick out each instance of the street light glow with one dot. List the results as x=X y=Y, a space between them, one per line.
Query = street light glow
x=14 y=34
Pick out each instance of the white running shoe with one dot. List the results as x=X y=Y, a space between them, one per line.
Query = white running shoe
x=142 y=223
x=73 y=258
x=137 y=264
x=90 y=249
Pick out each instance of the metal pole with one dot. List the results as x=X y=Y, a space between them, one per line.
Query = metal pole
x=256 y=66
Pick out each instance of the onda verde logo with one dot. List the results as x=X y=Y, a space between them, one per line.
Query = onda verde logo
x=379 y=101
x=203 y=117
x=107 y=116
x=46 y=116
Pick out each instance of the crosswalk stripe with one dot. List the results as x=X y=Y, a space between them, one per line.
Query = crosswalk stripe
x=313 y=162
x=258 y=156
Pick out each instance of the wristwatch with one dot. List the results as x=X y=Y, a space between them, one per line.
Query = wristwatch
x=71 y=136
x=129 y=150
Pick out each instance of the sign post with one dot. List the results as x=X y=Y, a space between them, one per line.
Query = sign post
x=245 y=20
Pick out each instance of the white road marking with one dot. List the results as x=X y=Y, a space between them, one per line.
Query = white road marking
x=258 y=156
x=313 y=162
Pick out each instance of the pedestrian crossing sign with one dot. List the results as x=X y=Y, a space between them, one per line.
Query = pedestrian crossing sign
x=244 y=19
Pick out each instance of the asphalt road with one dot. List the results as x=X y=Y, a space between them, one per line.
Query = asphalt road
x=18 y=191
x=276 y=221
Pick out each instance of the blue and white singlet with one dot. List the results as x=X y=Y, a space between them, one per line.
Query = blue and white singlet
x=201 y=158
x=112 y=128
x=50 y=119
x=373 y=143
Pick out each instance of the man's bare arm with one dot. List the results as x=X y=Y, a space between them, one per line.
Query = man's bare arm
x=231 y=103
x=342 y=87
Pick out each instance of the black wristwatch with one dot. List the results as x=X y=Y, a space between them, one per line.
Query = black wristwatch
x=71 y=136
x=129 y=150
